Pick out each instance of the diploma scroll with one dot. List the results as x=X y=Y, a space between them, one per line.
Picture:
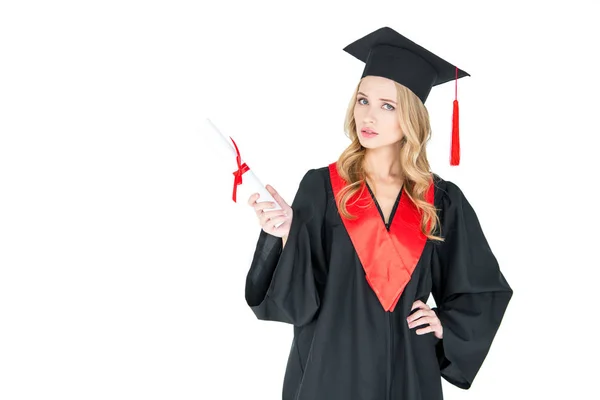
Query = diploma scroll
x=245 y=182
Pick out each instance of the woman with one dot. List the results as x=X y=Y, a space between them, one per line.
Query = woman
x=351 y=263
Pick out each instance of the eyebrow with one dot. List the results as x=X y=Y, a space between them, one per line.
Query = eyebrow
x=391 y=101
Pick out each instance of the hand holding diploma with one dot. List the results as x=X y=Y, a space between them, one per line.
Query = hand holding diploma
x=274 y=222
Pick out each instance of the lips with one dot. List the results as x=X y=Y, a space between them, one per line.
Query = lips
x=368 y=131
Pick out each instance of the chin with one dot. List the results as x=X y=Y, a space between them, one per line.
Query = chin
x=377 y=143
x=369 y=145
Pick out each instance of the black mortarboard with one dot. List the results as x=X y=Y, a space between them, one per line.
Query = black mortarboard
x=388 y=54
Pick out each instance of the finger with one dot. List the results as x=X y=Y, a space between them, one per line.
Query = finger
x=420 y=321
x=266 y=216
x=275 y=213
x=416 y=315
x=425 y=330
x=435 y=323
x=252 y=199
x=418 y=304
x=276 y=221
x=270 y=226
x=422 y=313
x=431 y=320
x=262 y=205
x=276 y=196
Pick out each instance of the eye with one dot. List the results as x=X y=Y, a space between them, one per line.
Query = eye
x=392 y=108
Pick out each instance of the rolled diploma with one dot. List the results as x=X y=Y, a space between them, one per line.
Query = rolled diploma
x=250 y=182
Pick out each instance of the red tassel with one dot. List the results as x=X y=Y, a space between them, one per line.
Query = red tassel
x=455 y=152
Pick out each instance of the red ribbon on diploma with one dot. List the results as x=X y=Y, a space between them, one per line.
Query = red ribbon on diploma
x=240 y=171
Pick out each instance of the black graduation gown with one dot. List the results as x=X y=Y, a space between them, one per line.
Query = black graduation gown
x=345 y=345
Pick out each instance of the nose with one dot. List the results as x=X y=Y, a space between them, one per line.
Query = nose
x=368 y=119
x=368 y=114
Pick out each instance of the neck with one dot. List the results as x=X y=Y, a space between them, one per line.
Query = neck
x=383 y=164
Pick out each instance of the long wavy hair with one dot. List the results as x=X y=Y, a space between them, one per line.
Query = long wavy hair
x=414 y=123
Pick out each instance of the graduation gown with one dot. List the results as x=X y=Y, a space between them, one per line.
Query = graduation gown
x=350 y=344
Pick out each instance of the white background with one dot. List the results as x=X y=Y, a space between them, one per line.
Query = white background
x=122 y=256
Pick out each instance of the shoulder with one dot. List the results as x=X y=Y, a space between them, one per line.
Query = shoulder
x=316 y=176
x=312 y=190
x=448 y=195
x=315 y=180
x=321 y=171
x=455 y=210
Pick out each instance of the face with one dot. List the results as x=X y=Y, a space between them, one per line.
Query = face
x=375 y=110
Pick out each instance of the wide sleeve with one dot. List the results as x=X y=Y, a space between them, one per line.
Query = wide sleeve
x=469 y=289
x=285 y=283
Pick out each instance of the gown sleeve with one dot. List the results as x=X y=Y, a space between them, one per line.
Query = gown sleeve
x=469 y=289
x=285 y=283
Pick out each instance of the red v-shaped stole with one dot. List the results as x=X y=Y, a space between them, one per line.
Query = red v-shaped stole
x=388 y=258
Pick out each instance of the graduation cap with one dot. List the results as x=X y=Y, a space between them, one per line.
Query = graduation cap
x=388 y=54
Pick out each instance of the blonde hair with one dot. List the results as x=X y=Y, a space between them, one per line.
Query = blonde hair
x=414 y=123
